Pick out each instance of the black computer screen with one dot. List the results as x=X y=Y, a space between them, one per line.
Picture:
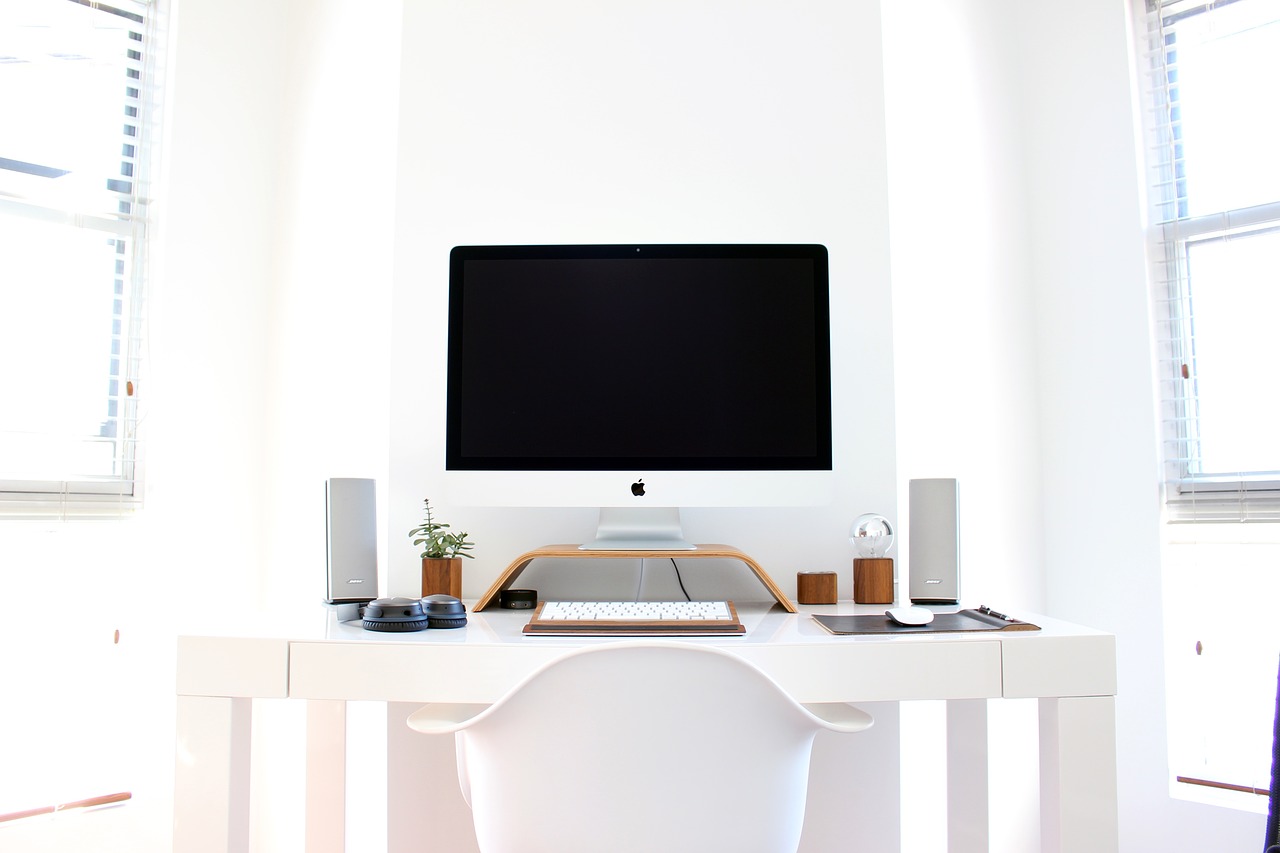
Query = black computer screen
x=675 y=357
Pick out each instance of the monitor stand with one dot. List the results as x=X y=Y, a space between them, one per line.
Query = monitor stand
x=519 y=564
x=639 y=528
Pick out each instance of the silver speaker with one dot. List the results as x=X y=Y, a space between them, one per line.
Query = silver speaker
x=351 y=540
x=933 y=541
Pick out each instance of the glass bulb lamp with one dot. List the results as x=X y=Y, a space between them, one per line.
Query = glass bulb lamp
x=872 y=536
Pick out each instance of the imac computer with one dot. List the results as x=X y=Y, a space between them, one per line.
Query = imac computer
x=638 y=379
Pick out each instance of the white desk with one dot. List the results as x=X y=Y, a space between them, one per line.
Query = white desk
x=1069 y=669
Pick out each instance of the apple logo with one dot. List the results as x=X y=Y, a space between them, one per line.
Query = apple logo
x=637 y=488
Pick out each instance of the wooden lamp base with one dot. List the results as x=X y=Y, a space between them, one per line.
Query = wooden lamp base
x=873 y=580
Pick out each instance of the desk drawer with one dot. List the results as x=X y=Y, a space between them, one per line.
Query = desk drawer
x=872 y=672
x=1039 y=666
x=412 y=672
x=233 y=666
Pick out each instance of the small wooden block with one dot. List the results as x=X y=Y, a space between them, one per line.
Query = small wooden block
x=816 y=587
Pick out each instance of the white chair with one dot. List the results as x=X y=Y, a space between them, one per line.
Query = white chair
x=638 y=747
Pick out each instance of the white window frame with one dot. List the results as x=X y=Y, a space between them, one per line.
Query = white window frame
x=1190 y=493
x=68 y=493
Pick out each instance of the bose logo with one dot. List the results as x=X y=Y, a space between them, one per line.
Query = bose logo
x=932 y=580
x=356 y=580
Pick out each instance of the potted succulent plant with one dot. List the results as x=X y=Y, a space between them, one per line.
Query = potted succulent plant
x=442 y=554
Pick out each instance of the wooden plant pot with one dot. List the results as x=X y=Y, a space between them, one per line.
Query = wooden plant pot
x=442 y=576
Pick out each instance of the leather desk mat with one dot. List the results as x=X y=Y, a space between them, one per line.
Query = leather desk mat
x=943 y=623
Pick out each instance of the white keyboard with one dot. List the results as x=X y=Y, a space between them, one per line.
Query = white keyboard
x=636 y=618
x=637 y=611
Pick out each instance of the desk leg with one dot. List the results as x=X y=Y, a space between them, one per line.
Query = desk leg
x=211 y=776
x=326 y=806
x=968 y=807
x=1078 y=811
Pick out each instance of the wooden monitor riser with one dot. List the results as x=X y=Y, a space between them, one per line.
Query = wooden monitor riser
x=518 y=565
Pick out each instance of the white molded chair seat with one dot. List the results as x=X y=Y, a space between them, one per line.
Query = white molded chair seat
x=638 y=747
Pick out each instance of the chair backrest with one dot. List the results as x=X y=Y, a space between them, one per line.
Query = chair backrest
x=640 y=747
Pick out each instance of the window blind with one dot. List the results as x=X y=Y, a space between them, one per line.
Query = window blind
x=74 y=203
x=1214 y=253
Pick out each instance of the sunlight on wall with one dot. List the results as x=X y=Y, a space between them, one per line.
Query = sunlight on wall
x=1222 y=650
x=88 y=672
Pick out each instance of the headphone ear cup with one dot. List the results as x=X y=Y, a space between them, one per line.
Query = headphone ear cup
x=394 y=615
x=390 y=626
x=444 y=611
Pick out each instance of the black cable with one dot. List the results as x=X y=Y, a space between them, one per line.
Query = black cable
x=1272 y=842
x=679 y=579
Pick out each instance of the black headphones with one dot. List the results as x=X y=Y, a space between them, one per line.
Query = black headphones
x=414 y=614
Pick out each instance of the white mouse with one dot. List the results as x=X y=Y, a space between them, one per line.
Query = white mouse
x=910 y=615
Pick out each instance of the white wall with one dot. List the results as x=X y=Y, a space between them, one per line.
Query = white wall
x=966 y=380
x=672 y=121
x=273 y=294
